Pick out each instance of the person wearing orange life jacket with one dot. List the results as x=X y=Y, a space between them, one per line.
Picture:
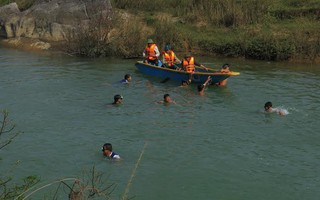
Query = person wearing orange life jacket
x=189 y=63
x=169 y=59
x=151 y=53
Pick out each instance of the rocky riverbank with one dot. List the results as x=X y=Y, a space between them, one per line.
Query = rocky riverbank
x=47 y=23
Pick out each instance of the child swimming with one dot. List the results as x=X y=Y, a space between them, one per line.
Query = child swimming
x=269 y=109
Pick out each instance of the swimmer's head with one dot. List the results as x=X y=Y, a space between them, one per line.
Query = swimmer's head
x=107 y=146
x=185 y=83
x=225 y=66
x=167 y=98
x=267 y=106
x=107 y=149
x=127 y=77
x=117 y=99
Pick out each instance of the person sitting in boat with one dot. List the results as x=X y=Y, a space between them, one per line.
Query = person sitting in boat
x=189 y=63
x=127 y=79
x=202 y=87
x=169 y=58
x=151 y=53
x=224 y=69
x=107 y=151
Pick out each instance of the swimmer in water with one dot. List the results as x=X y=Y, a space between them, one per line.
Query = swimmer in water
x=107 y=151
x=269 y=109
x=203 y=86
x=185 y=83
x=117 y=99
x=127 y=79
x=167 y=100
x=224 y=69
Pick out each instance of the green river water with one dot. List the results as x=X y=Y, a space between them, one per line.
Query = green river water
x=219 y=146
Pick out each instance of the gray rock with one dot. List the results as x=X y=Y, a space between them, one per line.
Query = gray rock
x=9 y=18
x=49 y=20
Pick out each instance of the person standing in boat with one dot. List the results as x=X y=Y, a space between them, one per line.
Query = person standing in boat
x=169 y=58
x=151 y=53
x=189 y=63
x=107 y=151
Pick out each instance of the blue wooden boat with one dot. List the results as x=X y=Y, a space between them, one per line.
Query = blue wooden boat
x=200 y=76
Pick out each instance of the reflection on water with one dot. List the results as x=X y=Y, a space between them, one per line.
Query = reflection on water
x=219 y=146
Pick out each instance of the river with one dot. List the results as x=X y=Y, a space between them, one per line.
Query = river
x=219 y=146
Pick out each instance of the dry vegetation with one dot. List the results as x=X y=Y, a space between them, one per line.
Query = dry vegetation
x=258 y=29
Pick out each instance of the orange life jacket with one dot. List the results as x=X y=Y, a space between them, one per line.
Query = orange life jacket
x=188 y=66
x=169 y=57
x=150 y=53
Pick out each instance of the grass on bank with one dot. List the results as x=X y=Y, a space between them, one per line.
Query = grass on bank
x=264 y=29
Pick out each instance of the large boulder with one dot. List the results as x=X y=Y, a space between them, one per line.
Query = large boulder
x=50 y=20
x=9 y=18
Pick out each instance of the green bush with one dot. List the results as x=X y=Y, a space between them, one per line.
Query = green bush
x=226 y=48
x=270 y=48
x=261 y=49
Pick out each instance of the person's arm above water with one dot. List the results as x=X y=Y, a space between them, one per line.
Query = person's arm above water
x=207 y=81
x=203 y=86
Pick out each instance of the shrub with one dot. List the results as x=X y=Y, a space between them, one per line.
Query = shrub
x=261 y=49
x=166 y=31
x=226 y=48
x=90 y=37
x=129 y=39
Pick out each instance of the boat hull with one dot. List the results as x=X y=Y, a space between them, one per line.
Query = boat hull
x=198 y=77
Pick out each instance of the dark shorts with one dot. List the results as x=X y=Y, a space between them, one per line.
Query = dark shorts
x=170 y=67
x=153 y=62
